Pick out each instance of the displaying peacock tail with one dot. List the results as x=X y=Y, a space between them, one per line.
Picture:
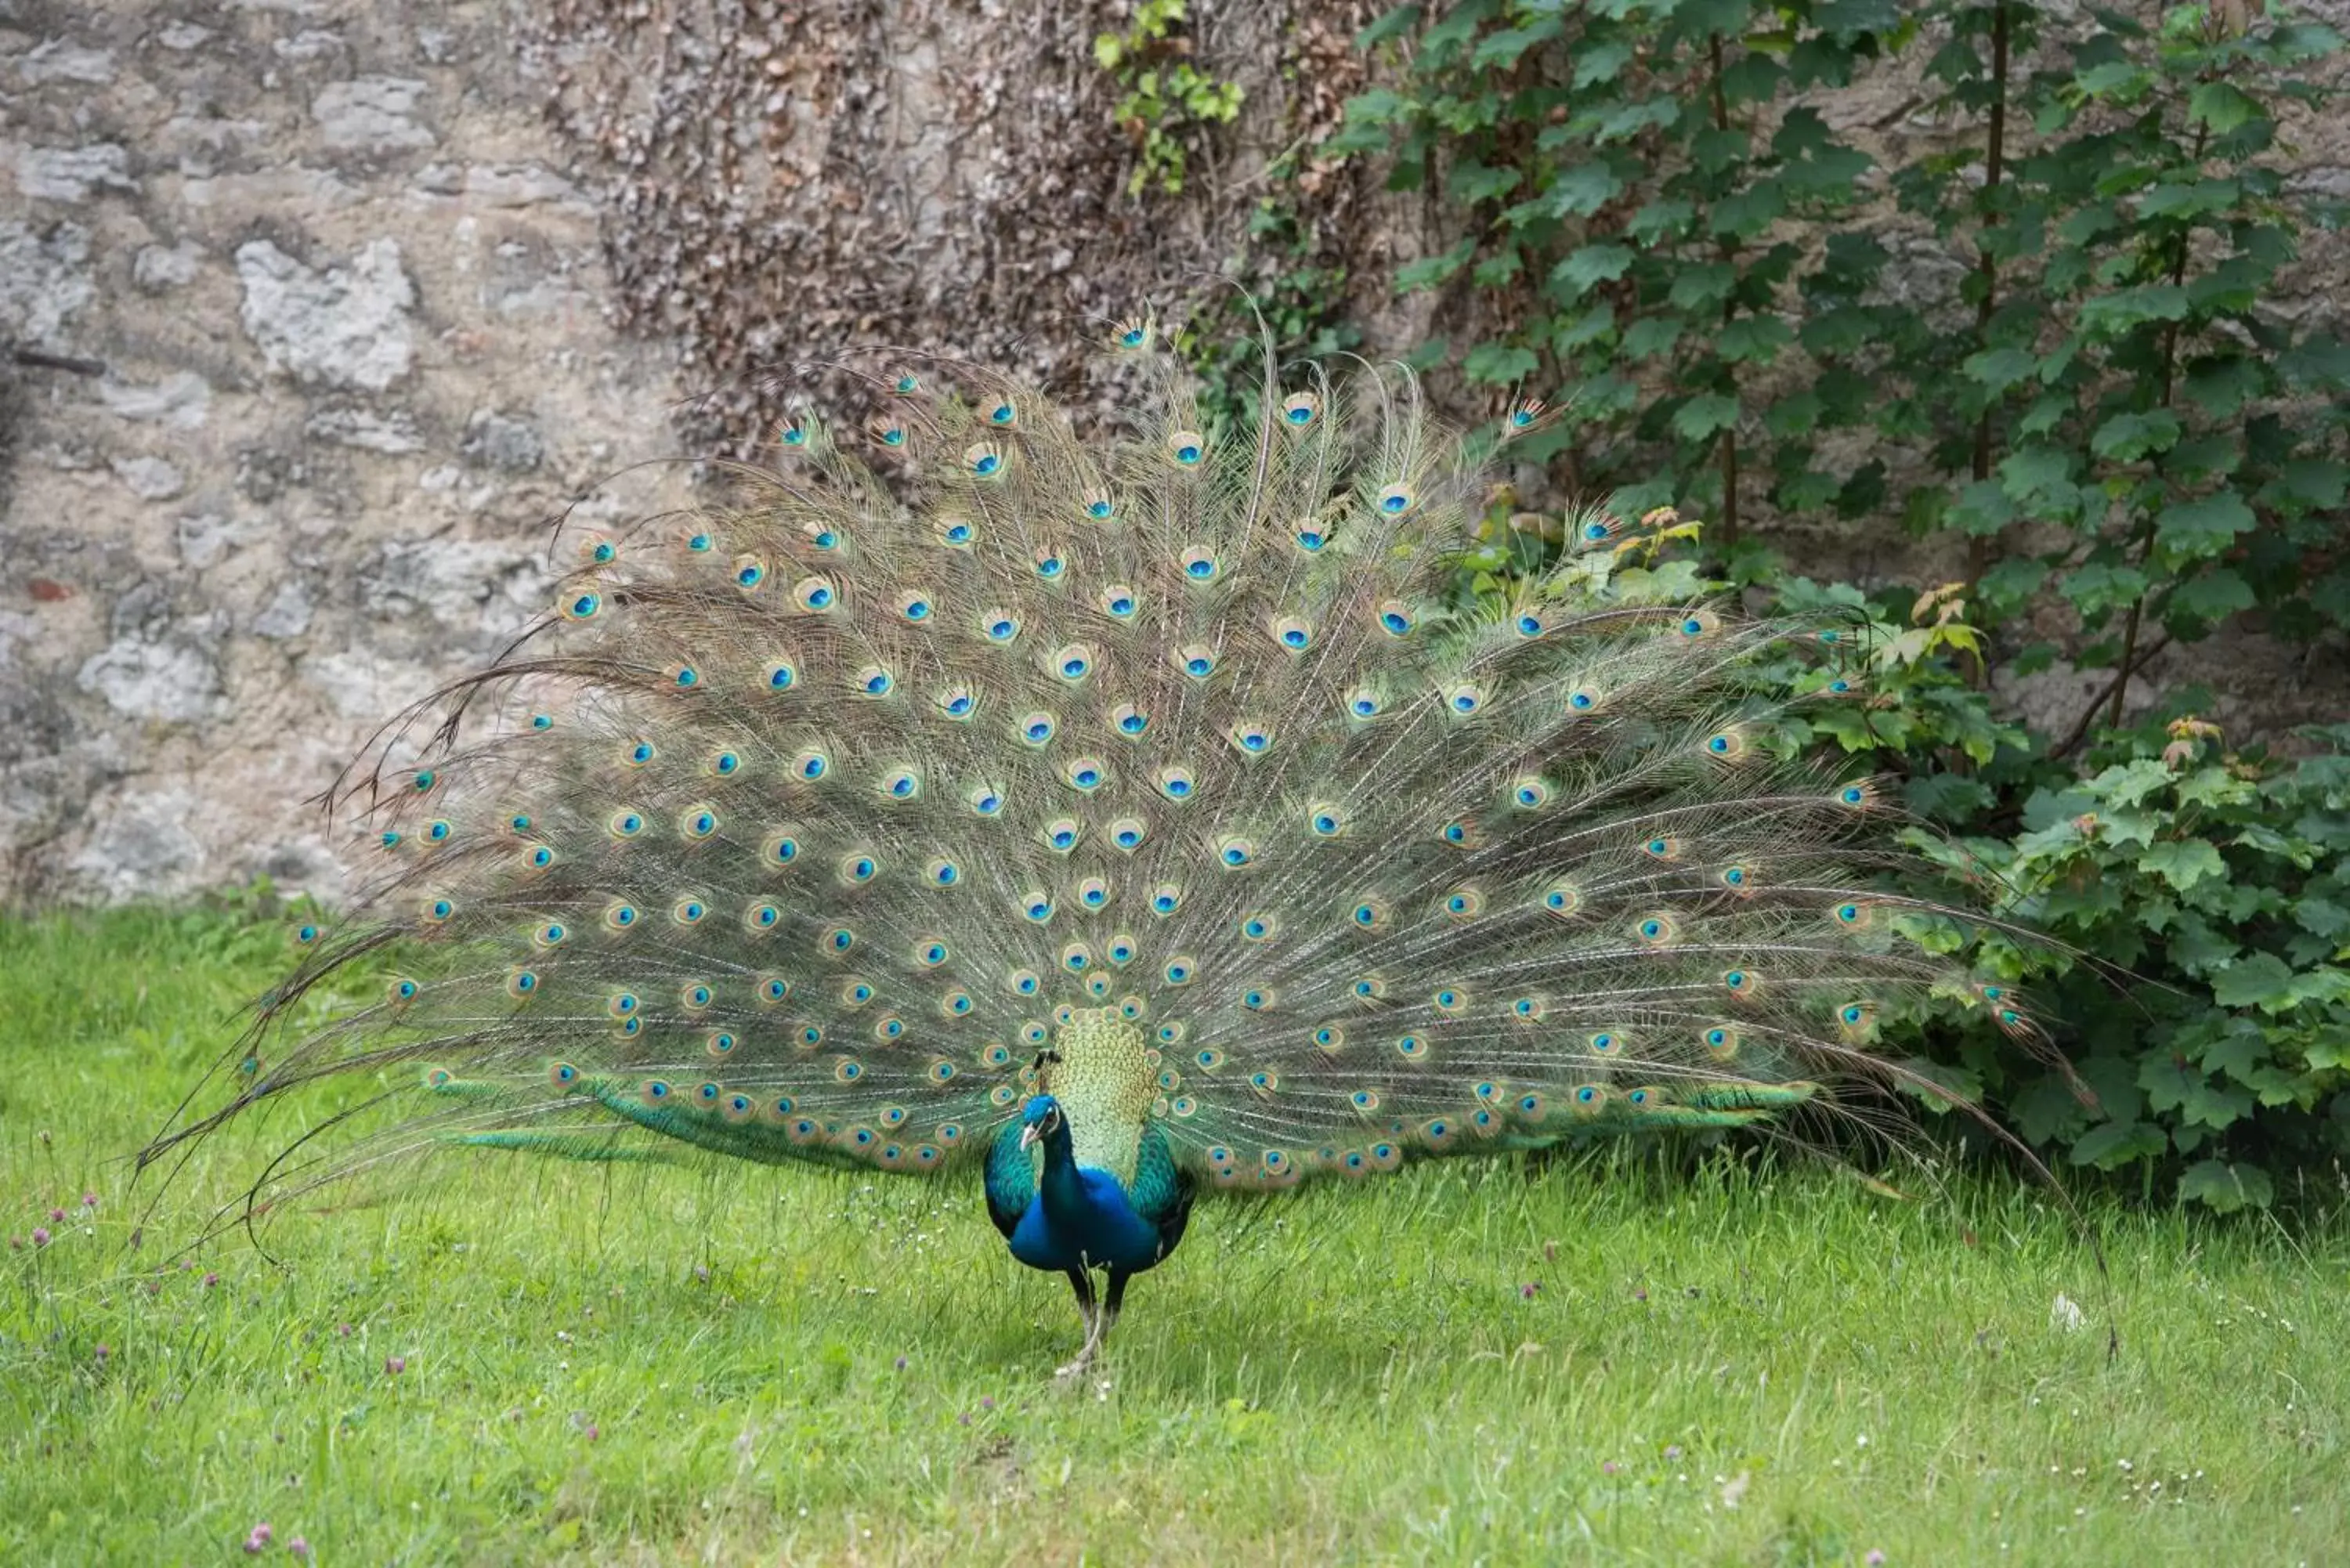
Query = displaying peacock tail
x=1158 y=798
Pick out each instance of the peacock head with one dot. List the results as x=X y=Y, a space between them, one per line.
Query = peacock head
x=1041 y=1121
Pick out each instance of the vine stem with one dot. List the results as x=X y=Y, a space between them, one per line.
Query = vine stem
x=2145 y=532
x=1979 y=547
x=1729 y=307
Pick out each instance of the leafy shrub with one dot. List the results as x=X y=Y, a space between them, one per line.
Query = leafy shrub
x=2081 y=384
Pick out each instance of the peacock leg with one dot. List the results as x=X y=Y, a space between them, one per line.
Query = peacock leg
x=1110 y=1304
x=1082 y=1280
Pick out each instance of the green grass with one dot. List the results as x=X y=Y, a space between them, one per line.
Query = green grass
x=658 y=1365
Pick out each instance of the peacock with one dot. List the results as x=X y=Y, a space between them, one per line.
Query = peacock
x=1131 y=817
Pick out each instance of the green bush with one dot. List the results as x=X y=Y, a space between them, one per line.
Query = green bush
x=2045 y=337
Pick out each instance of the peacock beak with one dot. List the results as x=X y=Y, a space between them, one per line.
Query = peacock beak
x=1029 y=1135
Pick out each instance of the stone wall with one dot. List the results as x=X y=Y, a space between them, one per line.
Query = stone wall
x=350 y=307
x=380 y=289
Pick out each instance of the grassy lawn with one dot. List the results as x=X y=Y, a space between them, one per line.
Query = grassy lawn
x=518 y=1361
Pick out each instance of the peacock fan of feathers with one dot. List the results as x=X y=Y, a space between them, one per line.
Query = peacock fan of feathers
x=1128 y=818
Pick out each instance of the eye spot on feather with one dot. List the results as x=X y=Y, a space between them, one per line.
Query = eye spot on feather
x=1061 y=833
x=1034 y=728
x=1084 y=775
x=985 y=461
x=1726 y=746
x=838 y=941
x=1858 y=1019
x=1662 y=848
x=620 y=916
x=1741 y=983
x=687 y=911
x=1256 y=999
x=1697 y=626
x=1118 y=602
x=1450 y=1000
x=1179 y=971
x=762 y=917
x=551 y=934
x=1199 y=564
x=1528 y=1009
x=856 y=870
x=1165 y=899
x=771 y=989
x=1196 y=660
x=1294 y=633
x=1299 y=410
x=1370 y=915
x=437 y=911
x=522 y=984
x=1655 y=931
x=1188 y=449
x=1259 y=926
x=1855 y=796
x=1234 y=853
x=697 y=823
x=1127 y=832
x=1175 y=782
x=1310 y=537
x=1396 y=619
x=1250 y=738
x=1739 y=879
x=1530 y=795
x=1121 y=952
x=582 y=606
x=1720 y=1042
x=1265 y=1082
x=1464 y=903
x=1036 y=907
x=986 y=802
x=1093 y=892
x=782 y=675
x=780 y=849
x=1051 y=565
x=1562 y=899
x=1099 y=506
x=811 y=764
x=956 y=1004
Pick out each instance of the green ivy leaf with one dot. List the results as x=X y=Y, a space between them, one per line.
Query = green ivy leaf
x=1660 y=221
x=2185 y=864
x=2192 y=530
x=2109 y=1145
x=1651 y=336
x=1499 y=364
x=1753 y=338
x=1502 y=50
x=2227 y=1187
x=2256 y=979
x=1428 y=271
x=1395 y=23
x=1703 y=415
x=1586 y=269
x=1997 y=369
x=1601 y=63
x=1472 y=181
x=2211 y=595
x=2110 y=314
x=1583 y=190
x=2127 y=437
x=2220 y=105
